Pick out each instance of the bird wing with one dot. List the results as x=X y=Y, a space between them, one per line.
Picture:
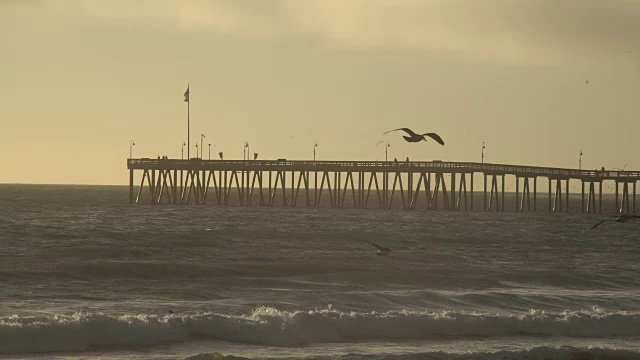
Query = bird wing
x=407 y=130
x=599 y=222
x=435 y=137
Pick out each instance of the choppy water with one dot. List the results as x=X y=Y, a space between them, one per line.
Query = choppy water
x=84 y=274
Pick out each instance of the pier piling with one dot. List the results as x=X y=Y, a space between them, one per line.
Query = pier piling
x=347 y=185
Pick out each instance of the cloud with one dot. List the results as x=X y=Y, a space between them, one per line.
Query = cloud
x=521 y=31
x=535 y=32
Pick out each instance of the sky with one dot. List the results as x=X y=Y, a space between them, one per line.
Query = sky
x=536 y=81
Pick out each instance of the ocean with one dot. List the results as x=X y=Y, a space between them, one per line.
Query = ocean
x=85 y=275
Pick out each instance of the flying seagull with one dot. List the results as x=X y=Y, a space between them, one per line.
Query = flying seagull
x=381 y=250
x=617 y=218
x=413 y=137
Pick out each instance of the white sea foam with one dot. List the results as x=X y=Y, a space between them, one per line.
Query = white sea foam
x=541 y=352
x=270 y=326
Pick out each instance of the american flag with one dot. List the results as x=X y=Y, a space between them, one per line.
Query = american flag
x=186 y=95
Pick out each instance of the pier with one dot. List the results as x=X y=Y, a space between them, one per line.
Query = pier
x=411 y=185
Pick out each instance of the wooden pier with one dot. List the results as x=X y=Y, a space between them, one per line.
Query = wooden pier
x=365 y=184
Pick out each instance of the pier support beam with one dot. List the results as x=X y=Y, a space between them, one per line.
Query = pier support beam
x=624 y=201
x=485 y=192
x=550 y=208
x=197 y=179
x=535 y=193
x=131 y=187
x=495 y=193
x=567 y=196
x=600 y=199
x=526 y=194
x=518 y=193
x=471 y=202
x=502 y=193
x=582 y=197
x=453 y=191
x=617 y=200
x=634 y=196
x=591 y=198
x=557 y=200
x=462 y=193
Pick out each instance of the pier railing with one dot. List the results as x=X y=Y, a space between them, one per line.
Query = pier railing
x=415 y=166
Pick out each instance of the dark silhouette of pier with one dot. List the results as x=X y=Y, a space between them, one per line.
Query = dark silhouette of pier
x=362 y=184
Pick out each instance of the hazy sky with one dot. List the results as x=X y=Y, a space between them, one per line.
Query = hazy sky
x=537 y=81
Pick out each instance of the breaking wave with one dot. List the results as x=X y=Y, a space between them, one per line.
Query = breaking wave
x=269 y=326
x=542 y=352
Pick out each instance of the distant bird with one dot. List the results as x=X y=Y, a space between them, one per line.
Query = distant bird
x=382 y=251
x=413 y=137
x=617 y=218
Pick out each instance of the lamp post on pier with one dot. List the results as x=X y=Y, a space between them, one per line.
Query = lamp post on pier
x=209 y=151
x=483 y=152
x=131 y=149
x=580 y=161
x=386 y=152
x=182 y=150
x=201 y=145
x=245 y=151
x=315 y=145
x=196 y=149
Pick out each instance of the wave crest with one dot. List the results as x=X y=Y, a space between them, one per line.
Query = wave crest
x=271 y=326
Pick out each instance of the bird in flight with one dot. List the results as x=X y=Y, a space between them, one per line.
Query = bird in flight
x=617 y=218
x=413 y=137
x=382 y=251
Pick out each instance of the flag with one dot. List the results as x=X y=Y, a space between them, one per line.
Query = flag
x=186 y=95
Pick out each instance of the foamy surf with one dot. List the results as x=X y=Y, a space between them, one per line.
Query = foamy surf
x=541 y=352
x=273 y=327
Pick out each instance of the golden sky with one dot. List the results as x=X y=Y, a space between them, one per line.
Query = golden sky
x=537 y=81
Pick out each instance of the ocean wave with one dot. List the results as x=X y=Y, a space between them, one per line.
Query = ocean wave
x=270 y=326
x=541 y=352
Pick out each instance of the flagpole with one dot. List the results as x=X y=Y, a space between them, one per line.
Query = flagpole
x=188 y=123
